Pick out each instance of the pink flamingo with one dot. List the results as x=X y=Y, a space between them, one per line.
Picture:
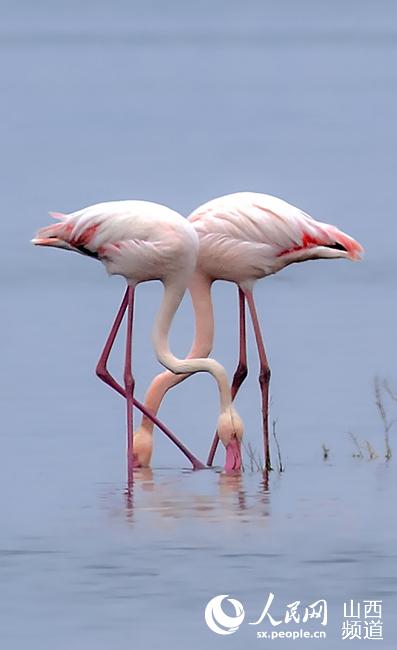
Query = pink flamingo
x=244 y=237
x=143 y=241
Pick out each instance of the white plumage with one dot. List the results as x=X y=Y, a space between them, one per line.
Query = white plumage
x=248 y=235
x=139 y=240
x=142 y=241
x=244 y=237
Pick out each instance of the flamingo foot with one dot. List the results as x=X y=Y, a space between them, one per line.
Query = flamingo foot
x=233 y=456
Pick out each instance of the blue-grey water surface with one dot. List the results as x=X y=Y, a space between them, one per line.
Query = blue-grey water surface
x=179 y=102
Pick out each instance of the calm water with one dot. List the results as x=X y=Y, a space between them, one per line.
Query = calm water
x=179 y=103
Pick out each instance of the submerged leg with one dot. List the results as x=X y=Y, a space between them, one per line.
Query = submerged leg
x=241 y=370
x=264 y=376
x=104 y=374
x=129 y=381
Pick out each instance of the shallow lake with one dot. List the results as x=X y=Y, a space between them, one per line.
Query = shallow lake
x=178 y=103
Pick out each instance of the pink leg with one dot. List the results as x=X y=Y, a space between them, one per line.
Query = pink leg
x=129 y=382
x=241 y=370
x=104 y=374
x=264 y=377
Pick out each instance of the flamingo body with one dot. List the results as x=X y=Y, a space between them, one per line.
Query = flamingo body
x=247 y=236
x=142 y=241
x=139 y=240
x=244 y=237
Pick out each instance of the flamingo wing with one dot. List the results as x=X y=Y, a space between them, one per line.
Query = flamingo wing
x=264 y=219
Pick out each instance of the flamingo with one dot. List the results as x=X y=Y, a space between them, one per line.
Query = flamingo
x=143 y=241
x=244 y=237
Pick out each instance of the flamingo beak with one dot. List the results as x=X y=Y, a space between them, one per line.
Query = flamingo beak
x=233 y=456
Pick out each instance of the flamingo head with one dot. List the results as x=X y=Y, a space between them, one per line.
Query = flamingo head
x=230 y=432
x=142 y=447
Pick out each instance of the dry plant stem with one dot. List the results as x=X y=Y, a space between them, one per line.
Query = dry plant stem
x=325 y=452
x=380 y=405
x=387 y=424
x=280 y=463
x=371 y=451
x=359 y=453
x=387 y=388
x=254 y=458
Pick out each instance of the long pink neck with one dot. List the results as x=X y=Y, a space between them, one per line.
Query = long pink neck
x=200 y=290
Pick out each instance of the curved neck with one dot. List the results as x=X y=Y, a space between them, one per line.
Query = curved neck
x=200 y=290
x=173 y=294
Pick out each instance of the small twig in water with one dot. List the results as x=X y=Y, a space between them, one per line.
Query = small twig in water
x=387 y=424
x=371 y=451
x=280 y=462
x=359 y=453
x=388 y=390
x=254 y=458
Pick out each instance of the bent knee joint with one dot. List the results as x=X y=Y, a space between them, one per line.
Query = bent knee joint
x=101 y=371
x=129 y=381
x=241 y=372
x=264 y=375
